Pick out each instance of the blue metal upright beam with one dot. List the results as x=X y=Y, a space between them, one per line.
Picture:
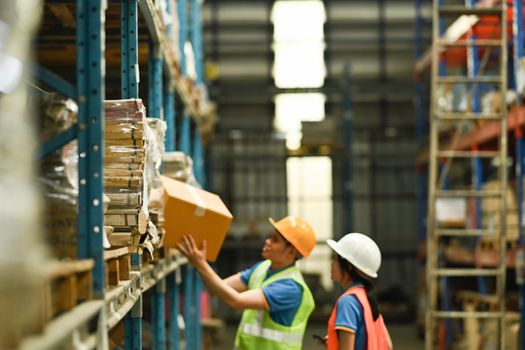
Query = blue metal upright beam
x=129 y=49
x=173 y=295
x=130 y=78
x=197 y=152
x=198 y=158
x=155 y=94
x=133 y=327
x=185 y=135
x=189 y=307
x=90 y=18
x=159 y=315
x=197 y=289
x=155 y=82
x=196 y=38
x=169 y=117
x=182 y=9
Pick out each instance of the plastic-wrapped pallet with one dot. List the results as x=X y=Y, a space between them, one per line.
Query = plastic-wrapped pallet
x=58 y=181
x=179 y=166
x=24 y=254
x=59 y=176
x=125 y=155
x=155 y=134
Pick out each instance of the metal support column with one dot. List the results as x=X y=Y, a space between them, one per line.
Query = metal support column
x=169 y=117
x=158 y=294
x=198 y=158
x=185 y=132
x=346 y=127
x=155 y=82
x=185 y=135
x=189 y=309
x=197 y=152
x=133 y=327
x=197 y=289
x=129 y=49
x=173 y=295
x=182 y=9
x=159 y=315
x=90 y=91
x=130 y=89
x=196 y=39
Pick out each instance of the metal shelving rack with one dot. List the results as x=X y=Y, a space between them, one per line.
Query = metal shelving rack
x=492 y=130
x=171 y=277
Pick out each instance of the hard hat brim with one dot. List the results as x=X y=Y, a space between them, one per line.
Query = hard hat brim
x=336 y=248
x=285 y=235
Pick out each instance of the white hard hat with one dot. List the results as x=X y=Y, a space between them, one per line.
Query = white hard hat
x=360 y=250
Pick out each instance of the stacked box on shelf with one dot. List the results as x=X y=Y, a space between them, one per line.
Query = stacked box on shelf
x=491 y=211
x=125 y=154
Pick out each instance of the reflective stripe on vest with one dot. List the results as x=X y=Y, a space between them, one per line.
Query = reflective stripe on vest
x=271 y=334
x=376 y=332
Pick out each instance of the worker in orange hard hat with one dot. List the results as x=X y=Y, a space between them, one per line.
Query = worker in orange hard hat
x=275 y=299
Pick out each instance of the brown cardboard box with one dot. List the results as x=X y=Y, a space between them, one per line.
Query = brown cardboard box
x=190 y=210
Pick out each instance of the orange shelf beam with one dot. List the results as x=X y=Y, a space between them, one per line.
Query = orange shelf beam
x=484 y=134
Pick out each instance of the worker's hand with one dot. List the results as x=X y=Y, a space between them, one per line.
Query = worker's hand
x=189 y=248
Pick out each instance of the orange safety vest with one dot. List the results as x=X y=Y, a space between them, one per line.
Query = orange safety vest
x=376 y=332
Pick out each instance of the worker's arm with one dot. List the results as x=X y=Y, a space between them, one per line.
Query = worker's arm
x=226 y=291
x=236 y=283
x=346 y=340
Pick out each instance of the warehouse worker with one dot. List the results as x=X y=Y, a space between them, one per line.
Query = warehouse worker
x=275 y=299
x=355 y=322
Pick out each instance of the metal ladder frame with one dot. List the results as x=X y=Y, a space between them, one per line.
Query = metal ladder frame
x=434 y=272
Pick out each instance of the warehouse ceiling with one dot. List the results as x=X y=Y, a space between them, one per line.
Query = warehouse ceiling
x=375 y=39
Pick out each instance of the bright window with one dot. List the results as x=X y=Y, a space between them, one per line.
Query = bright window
x=299 y=43
x=309 y=181
x=307 y=107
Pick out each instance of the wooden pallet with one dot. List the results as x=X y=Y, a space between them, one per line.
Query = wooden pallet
x=71 y=283
x=118 y=265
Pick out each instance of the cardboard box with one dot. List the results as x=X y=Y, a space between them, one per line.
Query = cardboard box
x=191 y=211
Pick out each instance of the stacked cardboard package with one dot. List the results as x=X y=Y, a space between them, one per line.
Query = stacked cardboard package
x=491 y=217
x=125 y=154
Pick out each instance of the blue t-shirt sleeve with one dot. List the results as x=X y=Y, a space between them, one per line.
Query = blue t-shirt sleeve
x=283 y=295
x=247 y=273
x=349 y=313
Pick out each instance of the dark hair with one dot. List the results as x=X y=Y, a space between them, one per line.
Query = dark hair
x=288 y=244
x=357 y=276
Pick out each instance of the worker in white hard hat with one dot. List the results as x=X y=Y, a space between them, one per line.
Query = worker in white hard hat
x=276 y=301
x=355 y=322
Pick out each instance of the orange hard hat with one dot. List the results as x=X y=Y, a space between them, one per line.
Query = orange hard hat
x=297 y=232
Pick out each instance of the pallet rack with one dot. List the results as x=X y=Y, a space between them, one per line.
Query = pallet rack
x=482 y=135
x=171 y=278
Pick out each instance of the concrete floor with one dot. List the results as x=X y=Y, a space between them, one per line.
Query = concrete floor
x=404 y=337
